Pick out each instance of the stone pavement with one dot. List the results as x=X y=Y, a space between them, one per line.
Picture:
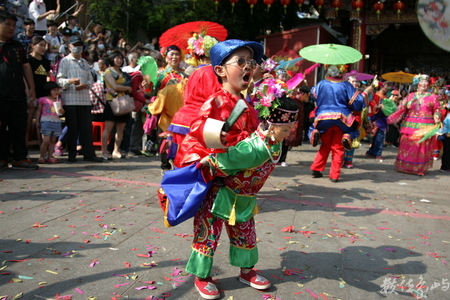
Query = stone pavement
x=95 y=231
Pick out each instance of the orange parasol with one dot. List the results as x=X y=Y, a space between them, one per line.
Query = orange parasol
x=180 y=34
x=400 y=77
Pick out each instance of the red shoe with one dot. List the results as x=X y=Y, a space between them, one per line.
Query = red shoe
x=347 y=142
x=254 y=280
x=207 y=288
x=52 y=161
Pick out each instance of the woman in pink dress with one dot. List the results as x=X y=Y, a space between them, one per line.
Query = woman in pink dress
x=418 y=110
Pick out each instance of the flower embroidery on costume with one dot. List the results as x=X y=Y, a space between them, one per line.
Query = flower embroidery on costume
x=285 y=117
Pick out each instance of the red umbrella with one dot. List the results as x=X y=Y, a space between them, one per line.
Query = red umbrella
x=180 y=34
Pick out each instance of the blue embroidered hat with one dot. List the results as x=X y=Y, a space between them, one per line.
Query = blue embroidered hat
x=220 y=51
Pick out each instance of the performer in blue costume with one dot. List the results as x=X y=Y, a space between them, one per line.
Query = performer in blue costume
x=336 y=99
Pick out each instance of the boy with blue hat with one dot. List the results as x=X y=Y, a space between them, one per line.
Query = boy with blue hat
x=233 y=61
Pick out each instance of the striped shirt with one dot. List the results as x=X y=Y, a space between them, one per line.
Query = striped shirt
x=70 y=67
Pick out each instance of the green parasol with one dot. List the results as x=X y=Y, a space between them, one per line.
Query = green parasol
x=331 y=54
x=149 y=67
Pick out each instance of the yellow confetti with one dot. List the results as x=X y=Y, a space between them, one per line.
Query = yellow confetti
x=93 y=298
x=230 y=298
x=42 y=283
x=2 y=268
x=18 y=296
x=293 y=242
x=51 y=272
x=300 y=285
x=18 y=240
x=16 y=280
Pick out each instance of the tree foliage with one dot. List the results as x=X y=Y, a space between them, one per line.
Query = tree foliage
x=155 y=19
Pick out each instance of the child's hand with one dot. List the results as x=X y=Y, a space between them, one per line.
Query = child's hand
x=61 y=111
x=38 y=125
x=223 y=137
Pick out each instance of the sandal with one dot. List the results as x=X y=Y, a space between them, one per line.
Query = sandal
x=52 y=160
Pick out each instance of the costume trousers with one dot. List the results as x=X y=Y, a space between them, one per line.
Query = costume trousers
x=348 y=157
x=207 y=231
x=377 y=143
x=331 y=142
x=137 y=132
x=13 y=128
x=284 y=151
x=78 y=121
x=445 y=165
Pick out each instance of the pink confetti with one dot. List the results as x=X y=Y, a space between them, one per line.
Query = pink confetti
x=79 y=291
x=312 y=294
x=390 y=249
x=444 y=261
x=176 y=273
x=122 y=284
x=383 y=228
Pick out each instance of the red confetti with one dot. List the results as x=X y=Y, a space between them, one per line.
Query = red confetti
x=27 y=241
x=7 y=251
x=288 y=229
x=37 y=225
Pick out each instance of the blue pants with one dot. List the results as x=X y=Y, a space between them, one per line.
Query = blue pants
x=377 y=143
x=348 y=155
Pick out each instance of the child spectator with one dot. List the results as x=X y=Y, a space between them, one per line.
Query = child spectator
x=49 y=123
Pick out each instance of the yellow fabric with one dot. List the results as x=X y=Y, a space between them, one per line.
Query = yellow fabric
x=168 y=101
x=119 y=81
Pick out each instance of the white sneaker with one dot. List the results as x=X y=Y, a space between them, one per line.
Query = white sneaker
x=283 y=164
x=435 y=158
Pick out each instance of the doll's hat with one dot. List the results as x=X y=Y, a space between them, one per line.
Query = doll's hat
x=220 y=51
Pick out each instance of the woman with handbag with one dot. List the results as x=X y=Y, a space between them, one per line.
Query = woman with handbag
x=114 y=82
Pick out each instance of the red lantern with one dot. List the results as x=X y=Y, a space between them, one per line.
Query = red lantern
x=358 y=4
x=399 y=6
x=233 y=2
x=252 y=4
x=378 y=8
x=285 y=3
x=216 y=3
x=300 y=3
x=336 y=4
x=319 y=4
x=268 y=3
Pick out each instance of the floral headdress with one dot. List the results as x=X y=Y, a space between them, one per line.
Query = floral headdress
x=420 y=77
x=336 y=71
x=199 y=46
x=268 y=95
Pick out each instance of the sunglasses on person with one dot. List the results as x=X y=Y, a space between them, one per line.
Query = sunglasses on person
x=241 y=62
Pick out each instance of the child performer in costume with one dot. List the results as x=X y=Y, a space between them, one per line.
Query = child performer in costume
x=233 y=61
x=201 y=85
x=231 y=201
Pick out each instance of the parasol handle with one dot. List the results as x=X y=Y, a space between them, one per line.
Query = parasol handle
x=375 y=81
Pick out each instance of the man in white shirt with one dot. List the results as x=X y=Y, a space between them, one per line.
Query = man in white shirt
x=38 y=12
